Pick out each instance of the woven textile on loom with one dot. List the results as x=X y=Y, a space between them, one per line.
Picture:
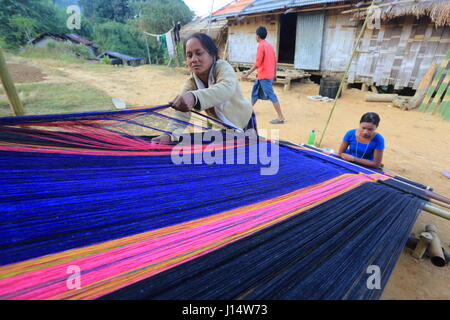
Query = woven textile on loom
x=92 y=191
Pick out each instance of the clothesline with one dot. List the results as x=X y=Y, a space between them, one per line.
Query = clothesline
x=157 y=35
x=168 y=40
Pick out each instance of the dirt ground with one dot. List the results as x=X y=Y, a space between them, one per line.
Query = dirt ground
x=417 y=145
x=21 y=73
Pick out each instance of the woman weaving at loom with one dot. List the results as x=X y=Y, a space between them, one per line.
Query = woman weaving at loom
x=212 y=87
x=364 y=146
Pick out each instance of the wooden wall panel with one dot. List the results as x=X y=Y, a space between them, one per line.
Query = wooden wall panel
x=338 y=38
x=242 y=42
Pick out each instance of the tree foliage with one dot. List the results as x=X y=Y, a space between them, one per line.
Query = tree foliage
x=124 y=38
x=22 y=20
x=116 y=25
x=158 y=16
x=101 y=11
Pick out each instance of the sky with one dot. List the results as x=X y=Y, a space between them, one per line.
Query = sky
x=203 y=7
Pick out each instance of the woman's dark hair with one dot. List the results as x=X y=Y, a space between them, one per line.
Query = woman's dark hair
x=261 y=32
x=207 y=43
x=371 y=117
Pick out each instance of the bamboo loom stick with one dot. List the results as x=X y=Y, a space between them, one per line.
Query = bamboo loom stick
x=355 y=47
x=437 y=196
x=434 y=84
x=439 y=203
x=10 y=89
x=437 y=211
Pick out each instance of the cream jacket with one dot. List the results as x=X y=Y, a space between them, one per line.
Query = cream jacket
x=226 y=92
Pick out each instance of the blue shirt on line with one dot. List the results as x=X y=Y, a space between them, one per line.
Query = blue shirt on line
x=377 y=143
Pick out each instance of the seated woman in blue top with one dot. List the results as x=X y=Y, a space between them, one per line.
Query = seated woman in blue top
x=364 y=145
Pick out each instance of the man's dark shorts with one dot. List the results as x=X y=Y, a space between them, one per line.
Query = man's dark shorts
x=263 y=89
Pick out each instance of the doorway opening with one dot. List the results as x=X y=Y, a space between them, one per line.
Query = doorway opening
x=288 y=33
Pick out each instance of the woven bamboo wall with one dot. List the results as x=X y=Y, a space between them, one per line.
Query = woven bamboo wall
x=400 y=52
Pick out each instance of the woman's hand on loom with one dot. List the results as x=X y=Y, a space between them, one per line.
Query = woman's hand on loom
x=184 y=102
x=347 y=157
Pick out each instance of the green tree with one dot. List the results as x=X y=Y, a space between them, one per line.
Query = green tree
x=23 y=25
x=22 y=20
x=158 y=16
x=101 y=11
x=124 y=38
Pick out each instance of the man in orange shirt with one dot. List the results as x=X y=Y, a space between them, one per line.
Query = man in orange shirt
x=266 y=64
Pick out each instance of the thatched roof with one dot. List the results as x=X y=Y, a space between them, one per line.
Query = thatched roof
x=437 y=10
x=201 y=25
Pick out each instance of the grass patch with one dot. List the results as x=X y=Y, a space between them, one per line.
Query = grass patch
x=64 y=52
x=52 y=98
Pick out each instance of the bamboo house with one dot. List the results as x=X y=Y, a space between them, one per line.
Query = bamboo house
x=317 y=36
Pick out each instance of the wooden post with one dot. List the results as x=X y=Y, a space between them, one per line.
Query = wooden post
x=422 y=89
x=148 y=50
x=210 y=16
x=225 y=52
x=10 y=89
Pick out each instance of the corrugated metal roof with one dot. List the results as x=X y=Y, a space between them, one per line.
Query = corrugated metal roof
x=311 y=2
x=69 y=36
x=120 y=55
x=258 y=6
x=233 y=8
x=268 y=5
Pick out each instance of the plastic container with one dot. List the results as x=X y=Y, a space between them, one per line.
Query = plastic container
x=329 y=87
x=312 y=138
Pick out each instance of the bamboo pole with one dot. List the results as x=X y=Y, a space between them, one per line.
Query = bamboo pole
x=358 y=40
x=439 y=203
x=422 y=245
x=435 y=249
x=210 y=17
x=148 y=49
x=436 y=196
x=437 y=211
x=10 y=89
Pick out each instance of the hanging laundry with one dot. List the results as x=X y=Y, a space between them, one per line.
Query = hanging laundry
x=170 y=44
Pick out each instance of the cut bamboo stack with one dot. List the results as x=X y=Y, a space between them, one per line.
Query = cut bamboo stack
x=437 y=99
